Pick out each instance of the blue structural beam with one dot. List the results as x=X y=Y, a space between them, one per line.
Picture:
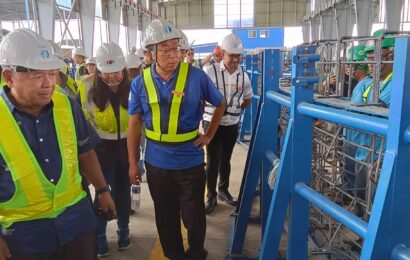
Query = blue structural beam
x=279 y=98
x=362 y=122
x=389 y=220
x=351 y=221
x=407 y=135
x=401 y=252
x=257 y=165
x=298 y=134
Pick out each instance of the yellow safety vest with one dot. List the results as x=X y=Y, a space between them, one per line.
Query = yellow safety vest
x=155 y=133
x=367 y=91
x=35 y=196
x=77 y=72
x=104 y=122
x=2 y=82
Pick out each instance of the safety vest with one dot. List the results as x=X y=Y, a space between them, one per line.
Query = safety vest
x=367 y=91
x=233 y=101
x=156 y=131
x=77 y=72
x=2 y=82
x=104 y=122
x=35 y=196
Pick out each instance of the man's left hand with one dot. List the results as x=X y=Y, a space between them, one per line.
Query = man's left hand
x=202 y=140
x=107 y=203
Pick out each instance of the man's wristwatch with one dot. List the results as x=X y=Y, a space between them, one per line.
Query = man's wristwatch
x=102 y=190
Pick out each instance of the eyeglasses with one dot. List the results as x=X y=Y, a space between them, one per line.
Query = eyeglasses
x=190 y=53
x=236 y=56
x=167 y=52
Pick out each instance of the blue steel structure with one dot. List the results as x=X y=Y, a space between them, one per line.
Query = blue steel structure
x=387 y=233
x=252 y=62
x=263 y=152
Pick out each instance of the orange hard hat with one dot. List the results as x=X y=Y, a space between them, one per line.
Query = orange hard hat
x=217 y=49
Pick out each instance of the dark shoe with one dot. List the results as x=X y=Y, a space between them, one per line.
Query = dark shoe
x=196 y=255
x=210 y=205
x=124 y=241
x=227 y=197
x=132 y=212
x=102 y=246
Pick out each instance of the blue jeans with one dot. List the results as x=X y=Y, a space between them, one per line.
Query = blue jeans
x=116 y=175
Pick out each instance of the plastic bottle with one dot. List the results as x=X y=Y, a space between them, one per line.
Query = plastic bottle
x=136 y=195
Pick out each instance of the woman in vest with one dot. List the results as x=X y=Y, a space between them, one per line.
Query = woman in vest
x=105 y=102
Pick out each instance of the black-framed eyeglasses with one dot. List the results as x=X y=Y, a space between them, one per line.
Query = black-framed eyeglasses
x=236 y=56
x=167 y=52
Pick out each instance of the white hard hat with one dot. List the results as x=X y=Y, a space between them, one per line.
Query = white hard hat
x=160 y=30
x=232 y=44
x=144 y=45
x=91 y=60
x=79 y=51
x=56 y=48
x=183 y=42
x=28 y=49
x=140 y=53
x=110 y=58
x=132 y=61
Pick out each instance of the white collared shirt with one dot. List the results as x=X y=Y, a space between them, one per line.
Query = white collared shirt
x=237 y=88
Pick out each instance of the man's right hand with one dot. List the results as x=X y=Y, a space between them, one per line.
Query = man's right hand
x=4 y=250
x=134 y=173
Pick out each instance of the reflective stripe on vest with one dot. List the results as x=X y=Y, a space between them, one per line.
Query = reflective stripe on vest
x=104 y=122
x=367 y=91
x=156 y=133
x=77 y=72
x=35 y=197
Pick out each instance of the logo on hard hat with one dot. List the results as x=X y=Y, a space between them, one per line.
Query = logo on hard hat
x=109 y=62
x=44 y=54
x=168 y=29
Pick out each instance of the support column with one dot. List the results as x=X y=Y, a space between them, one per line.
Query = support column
x=132 y=26
x=344 y=19
x=393 y=14
x=113 y=15
x=328 y=28
x=45 y=16
x=364 y=16
x=87 y=19
x=314 y=28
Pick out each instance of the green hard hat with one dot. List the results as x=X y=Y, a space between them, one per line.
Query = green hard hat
x=357 y=53
x=386 y=43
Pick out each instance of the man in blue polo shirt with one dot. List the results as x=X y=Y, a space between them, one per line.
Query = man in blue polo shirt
x=44 y=141
x=168 y=98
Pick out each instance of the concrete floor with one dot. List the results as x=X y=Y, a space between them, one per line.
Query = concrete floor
x=145 y=243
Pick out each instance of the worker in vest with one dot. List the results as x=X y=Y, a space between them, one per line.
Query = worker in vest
x=184 y=45
x=90 y=65
x=105 y=102
x=168 y=99
x=79 y=59
x=361 y=75
x=385 y=88
x=190 y=58
x=45 y=142
x=65 y=84
x=133 y=65
x=234 y=84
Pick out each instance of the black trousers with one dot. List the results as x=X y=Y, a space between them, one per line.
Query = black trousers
x=219 y=153
x=176 y=194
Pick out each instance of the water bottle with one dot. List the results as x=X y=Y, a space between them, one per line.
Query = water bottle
x=136 y=195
